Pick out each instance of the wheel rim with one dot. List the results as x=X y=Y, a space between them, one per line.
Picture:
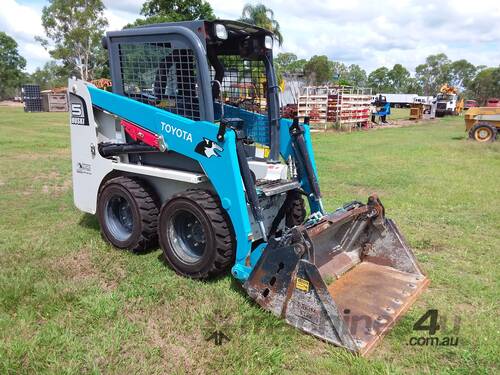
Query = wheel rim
x=187 y=237
x=119 y=218
x=483 y=134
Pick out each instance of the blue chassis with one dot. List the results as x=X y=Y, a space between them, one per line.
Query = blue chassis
x=222 y=170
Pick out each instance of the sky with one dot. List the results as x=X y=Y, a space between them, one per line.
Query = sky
x=368 y=33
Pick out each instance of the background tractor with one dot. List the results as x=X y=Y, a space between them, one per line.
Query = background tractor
x=482 y=123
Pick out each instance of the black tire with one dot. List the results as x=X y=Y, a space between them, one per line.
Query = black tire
x=204 y=249
x=483 y=132
x=137 y=228
x=296 y=211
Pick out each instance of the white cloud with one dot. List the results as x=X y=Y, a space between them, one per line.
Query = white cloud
x=369 y=33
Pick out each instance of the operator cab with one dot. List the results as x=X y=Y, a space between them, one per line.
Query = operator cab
x=202 y=70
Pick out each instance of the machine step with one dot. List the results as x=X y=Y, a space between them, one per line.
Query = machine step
x=269 y=188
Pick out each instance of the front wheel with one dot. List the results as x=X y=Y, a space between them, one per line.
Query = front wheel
x=195 y=234
x=483 y=132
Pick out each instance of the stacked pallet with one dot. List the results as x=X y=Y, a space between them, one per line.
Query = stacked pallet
x=54 y=101
x=344 y=105
x=31 y=98
x=313 y=102
x=349 y=106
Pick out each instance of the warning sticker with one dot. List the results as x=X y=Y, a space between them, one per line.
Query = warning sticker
x=302 y=284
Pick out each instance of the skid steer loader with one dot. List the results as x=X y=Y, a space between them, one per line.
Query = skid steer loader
x=165 y=159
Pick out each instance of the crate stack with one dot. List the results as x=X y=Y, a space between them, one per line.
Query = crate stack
x=349 y=106
x=346 y=106
x=55 y=101
x=313 y=102
x=31 y=98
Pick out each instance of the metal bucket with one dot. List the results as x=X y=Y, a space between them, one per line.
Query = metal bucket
x=345 y=279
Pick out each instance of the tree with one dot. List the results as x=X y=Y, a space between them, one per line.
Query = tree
x=262 y=16
x=435 y=72
x=157 y=11
x=339 y=72
x=413 y=86
x=485 y=85
x=356 y=76
x=318 y=70
x=462 y=73
x=284 y=60
x=74 y=29
x=380 y=81
x=11 y=66
x=50 y=76
x=297 y=67
x=398 y=77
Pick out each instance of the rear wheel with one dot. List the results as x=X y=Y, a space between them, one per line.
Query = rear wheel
x=127 y=210
x=483 y=132
x=195 y=234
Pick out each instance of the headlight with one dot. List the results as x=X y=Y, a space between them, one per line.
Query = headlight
x=268 y=42
x=220 y=31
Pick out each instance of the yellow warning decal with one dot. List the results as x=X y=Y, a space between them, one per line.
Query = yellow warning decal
x=302 y=284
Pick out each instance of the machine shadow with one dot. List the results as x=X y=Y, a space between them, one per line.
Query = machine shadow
x=89 y=221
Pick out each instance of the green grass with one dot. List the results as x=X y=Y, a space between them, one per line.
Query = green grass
x=69 y=303
x=399 y=114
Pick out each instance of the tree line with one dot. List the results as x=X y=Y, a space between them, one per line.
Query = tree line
x=478 y=82
x=74 y=28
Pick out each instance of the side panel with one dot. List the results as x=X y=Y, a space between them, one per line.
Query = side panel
x=89 y=168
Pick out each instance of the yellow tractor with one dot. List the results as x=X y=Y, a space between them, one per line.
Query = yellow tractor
x=483 y=123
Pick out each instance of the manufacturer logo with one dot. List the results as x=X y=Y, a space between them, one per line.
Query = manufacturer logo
x=78 y=111
x=177 y=132
x=208 y=148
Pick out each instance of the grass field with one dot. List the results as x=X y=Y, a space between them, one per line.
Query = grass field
x=69 y=303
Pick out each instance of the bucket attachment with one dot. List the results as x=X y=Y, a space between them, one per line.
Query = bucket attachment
x=346 y=278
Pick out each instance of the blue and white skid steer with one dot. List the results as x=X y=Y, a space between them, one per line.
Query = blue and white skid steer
x=189 y=151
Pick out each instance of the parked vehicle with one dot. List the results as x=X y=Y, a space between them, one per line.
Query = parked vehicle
x=448 y=101
x=493 y=102
x=483 y=123
x=470 y=104
x=398 y=100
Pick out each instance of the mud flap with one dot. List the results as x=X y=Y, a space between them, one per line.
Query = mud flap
x=346 y=279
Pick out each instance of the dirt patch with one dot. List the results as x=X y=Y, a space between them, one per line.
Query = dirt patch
x=427 y=245
x=168 y=329
x=57 y=189
x=390 y=124
x=10 y=103
x=405 y=123
x=162 y=333
x=79 y=268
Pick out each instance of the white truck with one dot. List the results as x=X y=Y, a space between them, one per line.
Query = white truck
x=398 y=100
x=446 y=104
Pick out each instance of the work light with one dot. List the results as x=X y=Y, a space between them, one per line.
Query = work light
x=220 y=31
x=268 y=42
